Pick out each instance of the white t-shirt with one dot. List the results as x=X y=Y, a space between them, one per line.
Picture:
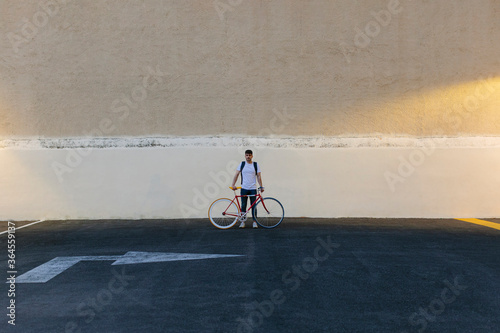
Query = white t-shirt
x=249 y=177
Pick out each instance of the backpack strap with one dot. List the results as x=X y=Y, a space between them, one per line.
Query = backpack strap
x=255 y=167
x=241 y=170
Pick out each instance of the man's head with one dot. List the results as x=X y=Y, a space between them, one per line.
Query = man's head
x=248 y=155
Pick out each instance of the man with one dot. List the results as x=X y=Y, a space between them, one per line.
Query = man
x=250 y=174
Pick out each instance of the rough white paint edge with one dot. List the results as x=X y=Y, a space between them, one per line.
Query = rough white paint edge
x=255 y=142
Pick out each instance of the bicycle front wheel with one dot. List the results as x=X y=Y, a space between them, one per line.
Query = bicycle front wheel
x=223 y=213
x=268 y=213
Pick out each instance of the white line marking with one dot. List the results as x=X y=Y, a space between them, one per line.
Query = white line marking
x=56 y=266
x=24 y=226
x=146 y=257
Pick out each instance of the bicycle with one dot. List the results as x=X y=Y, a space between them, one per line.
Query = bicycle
x=224 y=212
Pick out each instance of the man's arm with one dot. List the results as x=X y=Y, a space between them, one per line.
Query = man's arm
x=259 y=178
x=235 y=179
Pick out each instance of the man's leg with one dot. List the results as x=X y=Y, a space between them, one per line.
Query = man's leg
x=252 y=201
x=244 y=200
x=253 y=197
x=243 y=205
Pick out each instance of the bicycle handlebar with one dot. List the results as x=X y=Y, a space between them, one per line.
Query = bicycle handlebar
x=239 y=187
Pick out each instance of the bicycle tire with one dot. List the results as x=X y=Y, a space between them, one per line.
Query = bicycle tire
x=271 y=211
x=223 y=213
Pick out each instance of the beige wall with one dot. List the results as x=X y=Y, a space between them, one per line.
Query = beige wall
x=221 y=67
x=181 y=182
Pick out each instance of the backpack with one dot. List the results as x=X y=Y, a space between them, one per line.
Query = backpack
x=243 y=165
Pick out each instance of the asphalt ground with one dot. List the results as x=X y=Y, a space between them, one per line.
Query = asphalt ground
x=307 y=275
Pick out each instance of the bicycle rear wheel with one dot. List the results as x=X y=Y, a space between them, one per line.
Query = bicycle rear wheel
x=268 y=213
x=223 y=213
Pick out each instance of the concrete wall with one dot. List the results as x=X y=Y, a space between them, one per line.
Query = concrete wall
x=380 y=108
x=311 y=177
x=203 y=67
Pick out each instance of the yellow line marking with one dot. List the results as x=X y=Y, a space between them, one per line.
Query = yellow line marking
x=483 y=223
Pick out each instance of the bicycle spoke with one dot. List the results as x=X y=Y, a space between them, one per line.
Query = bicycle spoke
x=223 y=213
x=268 y=213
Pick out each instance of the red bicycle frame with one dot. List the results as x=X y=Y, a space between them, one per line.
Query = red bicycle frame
x=257 y=199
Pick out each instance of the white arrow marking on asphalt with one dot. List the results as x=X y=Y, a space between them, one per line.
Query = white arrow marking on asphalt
x=145 y=257
x=56 y=266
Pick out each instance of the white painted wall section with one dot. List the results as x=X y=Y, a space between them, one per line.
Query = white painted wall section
x=313 y=177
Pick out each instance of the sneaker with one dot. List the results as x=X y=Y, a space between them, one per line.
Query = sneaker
x=242 y=225
x=255 y=225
